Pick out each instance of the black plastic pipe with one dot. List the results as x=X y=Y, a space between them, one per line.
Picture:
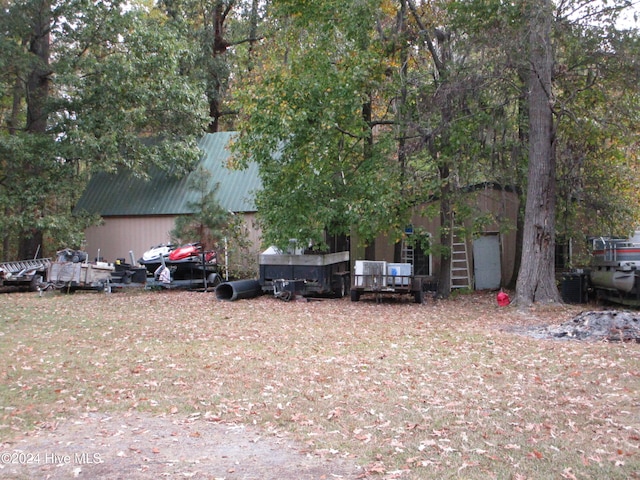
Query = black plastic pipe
x=238 y=290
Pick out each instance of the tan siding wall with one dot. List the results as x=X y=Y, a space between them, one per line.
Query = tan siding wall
x=503 y=204
x=119 y=235
x=254 y=231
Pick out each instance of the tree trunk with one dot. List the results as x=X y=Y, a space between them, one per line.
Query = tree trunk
x=536 y=280
x=511 y=284
x=218 y=77
x=446 y=233
x=38 y=80
x=516 y=154
x=253 y=32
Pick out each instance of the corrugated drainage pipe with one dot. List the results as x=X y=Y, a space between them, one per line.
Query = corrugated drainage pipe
x=238 y=290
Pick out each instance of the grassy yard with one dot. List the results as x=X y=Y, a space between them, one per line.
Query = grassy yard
x=440 y=390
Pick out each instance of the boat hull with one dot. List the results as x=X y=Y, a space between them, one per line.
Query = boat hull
x=615 y=269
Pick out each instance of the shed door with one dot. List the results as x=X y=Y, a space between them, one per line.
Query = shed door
x=486 y=261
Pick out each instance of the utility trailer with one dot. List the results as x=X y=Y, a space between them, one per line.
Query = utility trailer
x=72 y=271
x=308 y=275
x=380 y=278
x=70 y=276
x=24 y=274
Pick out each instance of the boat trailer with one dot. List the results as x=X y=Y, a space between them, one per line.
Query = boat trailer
x=24 y=274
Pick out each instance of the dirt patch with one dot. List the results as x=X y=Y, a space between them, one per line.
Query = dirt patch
x=137 y=446
x=609 y=325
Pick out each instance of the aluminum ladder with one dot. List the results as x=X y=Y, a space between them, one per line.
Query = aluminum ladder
x=406 y=253
x=460 y=268
x=21 y=266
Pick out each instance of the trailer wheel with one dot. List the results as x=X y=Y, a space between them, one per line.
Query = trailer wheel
x=341 y=288
x=355 y=295
x=285 y=295
x=35 y=283
x=213 y=280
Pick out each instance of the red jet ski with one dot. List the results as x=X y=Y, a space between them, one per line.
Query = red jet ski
x=191 y=252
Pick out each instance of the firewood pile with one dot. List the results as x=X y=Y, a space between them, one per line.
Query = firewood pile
x=608 y=325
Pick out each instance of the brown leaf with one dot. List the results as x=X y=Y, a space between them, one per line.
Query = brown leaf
x=536 y=454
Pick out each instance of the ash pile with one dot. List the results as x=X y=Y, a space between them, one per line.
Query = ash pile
x=609 y=325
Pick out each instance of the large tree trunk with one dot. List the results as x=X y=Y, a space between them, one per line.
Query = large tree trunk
x=446 y=233
x=536 y=280
x=516 y=153
x=253 y=32
x=38 y=81
x=218 y=76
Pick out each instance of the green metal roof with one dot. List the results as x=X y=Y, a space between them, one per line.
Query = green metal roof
x=123 y=194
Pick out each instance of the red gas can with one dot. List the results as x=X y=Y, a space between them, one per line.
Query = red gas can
x=503 y=299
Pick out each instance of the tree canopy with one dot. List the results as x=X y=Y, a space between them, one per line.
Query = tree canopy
x=362 y=111
x=358 y=112
x=85 y=86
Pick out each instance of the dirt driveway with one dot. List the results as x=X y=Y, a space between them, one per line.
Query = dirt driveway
x=136 y=446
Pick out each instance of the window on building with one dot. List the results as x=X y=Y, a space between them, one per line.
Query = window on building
x=413 y=251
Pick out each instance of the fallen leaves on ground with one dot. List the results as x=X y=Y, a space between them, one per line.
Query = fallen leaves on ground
x=443 y=389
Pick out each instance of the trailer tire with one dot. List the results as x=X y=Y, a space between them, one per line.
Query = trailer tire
x=285 y=295
x=355 y=295
x=341 y=288
x=213 y=280
x=35 y=283
x=419 y=296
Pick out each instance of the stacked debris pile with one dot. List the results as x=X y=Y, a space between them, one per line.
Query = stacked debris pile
x=610 y=325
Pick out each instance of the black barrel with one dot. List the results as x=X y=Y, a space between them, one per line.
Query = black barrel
x=574 y=288
x=238 y=290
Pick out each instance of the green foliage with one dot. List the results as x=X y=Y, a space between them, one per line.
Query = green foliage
x=208 y=222
x=595 y=88
x=304 y=126
x=131 y=90
x=597 y=99
x=38 y=193
x=241 y=261
x=350 y=114
x=116 y=96
x=216 y=228
x=221 y=35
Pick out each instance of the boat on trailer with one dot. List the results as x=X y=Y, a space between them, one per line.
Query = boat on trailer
x=615 y=269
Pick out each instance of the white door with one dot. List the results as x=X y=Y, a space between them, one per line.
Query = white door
x=486 y=262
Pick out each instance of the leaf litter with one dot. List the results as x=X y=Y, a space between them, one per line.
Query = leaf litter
x=179 y=385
